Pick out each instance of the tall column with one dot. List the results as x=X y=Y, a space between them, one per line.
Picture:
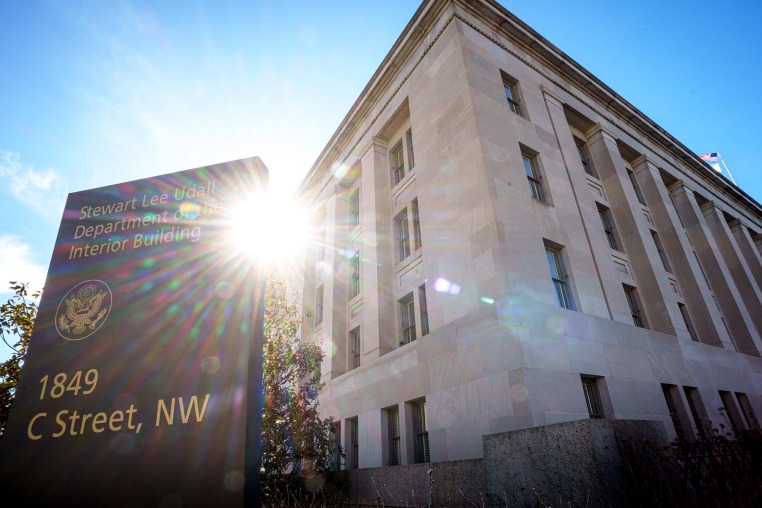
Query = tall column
x=656 y=295
x=748 y=248
x=748 y=289
x=333 y=330
x=379 y=332
x=591 y=257
x=742 y=330
x=704 y=314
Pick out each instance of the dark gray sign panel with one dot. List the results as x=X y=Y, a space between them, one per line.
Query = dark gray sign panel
x=139 y=387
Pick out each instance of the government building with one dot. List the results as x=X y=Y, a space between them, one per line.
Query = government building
x=506 y=243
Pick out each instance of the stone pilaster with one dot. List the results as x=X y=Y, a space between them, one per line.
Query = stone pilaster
x=379 y=332
x=634 y=234
x=736 y=316
x=704 y=314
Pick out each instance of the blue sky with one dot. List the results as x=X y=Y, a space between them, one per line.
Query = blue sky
x=95 y=93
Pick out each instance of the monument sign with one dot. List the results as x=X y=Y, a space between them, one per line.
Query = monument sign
x=142 y=382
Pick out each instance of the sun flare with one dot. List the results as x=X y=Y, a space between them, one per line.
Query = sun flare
x=270 y=228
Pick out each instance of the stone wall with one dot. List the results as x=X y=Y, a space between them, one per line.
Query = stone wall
x=566 y=464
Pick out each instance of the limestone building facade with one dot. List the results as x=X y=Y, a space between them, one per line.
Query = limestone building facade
x=505 y=242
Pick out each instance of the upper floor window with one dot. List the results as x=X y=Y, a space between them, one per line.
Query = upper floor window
x=319 y=305
x=584 y=156
x=424 y=310
x=398 y=163
x=636 y=187
x=511 y=89
x=660 y=250
x=407 y=319
x=402 y=235
x=402 y=157
x=634 y=304
x=354 y=349
x=608 y=227
x=559 y=277
x=353 y=205
x=354 y=276
x=536 y=189
x=410 y=153
x=417 y=242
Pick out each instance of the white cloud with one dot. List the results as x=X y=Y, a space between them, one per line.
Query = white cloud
x=19 y=264
x=39 y=190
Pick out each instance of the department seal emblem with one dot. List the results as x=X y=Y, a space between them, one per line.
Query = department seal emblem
x=83 y=310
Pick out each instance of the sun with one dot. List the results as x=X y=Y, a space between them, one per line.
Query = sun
x=270 y=228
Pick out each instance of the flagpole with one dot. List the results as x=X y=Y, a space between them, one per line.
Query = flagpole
x=726 y=169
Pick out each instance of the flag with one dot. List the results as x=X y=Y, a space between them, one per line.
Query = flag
x=711 y=157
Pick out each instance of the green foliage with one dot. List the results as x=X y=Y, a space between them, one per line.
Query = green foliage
x=16 y=321
x=297 y=442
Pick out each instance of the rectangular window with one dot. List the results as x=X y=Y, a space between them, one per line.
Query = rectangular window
x=533 y=177
x=559 y=277
x=608 y=227
x=660 y=250
x=354 y=349
x=402 y=235
x=698 y=411
x=672 y=397
x=636 y=188
x=353 y=206
x=407 y=319
x=584 y=156
x=747 y=411
x=592 y=396
x=319 y=305
x=424 y=310
x=354 y=276
x=395 y=444
x=417 y=243
x=354 y=443
x=634 y=303
x=420 y=433
x=397 y=158
x=732 y=413
x=410 y=153
x=510 y=88
x=687 y=320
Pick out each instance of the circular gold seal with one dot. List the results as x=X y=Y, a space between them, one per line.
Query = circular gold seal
x=83 y=310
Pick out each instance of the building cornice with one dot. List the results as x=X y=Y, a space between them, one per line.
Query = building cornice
x=498 y=19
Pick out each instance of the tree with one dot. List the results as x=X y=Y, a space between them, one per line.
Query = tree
x=295 y=437
x=16 y=321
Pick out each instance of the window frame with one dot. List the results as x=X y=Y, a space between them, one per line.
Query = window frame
x=512 y=95
x=319 y=304
x=355 y=287
x=354 y=442
x=609 y=228
x=393 y=429
x=423 y=310
x=397 y=162
x=417 y=240
x=402 y=236
x=585 y=157
x=534 y=177
x=353 y=209
x=406 y=308
x=559 y=276
x=660 y=250
x=421 y=446
x=593 y=401
x=633 y=303
x=355 y=348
